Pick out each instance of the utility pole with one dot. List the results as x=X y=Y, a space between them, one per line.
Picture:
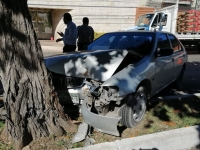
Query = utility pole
x=197 y=5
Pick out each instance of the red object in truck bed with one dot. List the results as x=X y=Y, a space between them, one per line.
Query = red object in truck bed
x=193 y=17
x=187 y=22
x=193 y=29
x=192 y=11
x=191 y=24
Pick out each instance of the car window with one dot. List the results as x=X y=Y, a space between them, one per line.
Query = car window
x=135 y=41
x=103 y=44
x=175 y=43
x=155 y=21
x=164 y=21
x=163 y=42
x=144 y=20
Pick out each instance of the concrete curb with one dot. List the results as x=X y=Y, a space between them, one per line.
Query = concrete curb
x=182 y=138
x=184 y=95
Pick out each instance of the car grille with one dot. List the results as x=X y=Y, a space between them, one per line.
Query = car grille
x=62 y=81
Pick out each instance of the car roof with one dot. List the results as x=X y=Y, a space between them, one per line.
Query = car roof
x=141 y=31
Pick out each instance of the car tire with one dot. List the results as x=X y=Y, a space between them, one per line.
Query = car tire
x=179 y=79
x=133 y=111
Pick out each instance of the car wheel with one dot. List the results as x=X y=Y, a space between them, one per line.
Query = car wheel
x=133 y=111
x=179 y=79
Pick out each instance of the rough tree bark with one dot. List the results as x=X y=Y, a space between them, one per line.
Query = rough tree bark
x=32 y=106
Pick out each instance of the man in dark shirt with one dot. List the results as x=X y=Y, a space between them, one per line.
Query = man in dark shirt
x=85 y=34
x=70 y=35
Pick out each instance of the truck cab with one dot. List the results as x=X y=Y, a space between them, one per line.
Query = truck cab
x=163 y=19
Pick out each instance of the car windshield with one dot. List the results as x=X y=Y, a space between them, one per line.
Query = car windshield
x=144 y=20
x=140 y=42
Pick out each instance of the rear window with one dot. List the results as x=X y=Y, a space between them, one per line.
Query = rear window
x=163 y=41
x=175 y=43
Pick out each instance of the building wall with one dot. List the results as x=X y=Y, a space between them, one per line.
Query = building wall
x=57 y=15
x=104 y=15
x=151 y=3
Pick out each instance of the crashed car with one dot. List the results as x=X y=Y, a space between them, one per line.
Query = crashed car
x=119 y=72
x=68 y=88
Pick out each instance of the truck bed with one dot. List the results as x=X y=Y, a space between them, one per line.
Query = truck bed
x=188 y=36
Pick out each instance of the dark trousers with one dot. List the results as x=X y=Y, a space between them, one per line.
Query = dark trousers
x=82 y=46
x=69 y=48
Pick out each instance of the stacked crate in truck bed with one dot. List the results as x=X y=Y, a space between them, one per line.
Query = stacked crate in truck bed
x=189 y=22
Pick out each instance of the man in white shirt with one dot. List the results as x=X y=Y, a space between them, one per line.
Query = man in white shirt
x=69 y=38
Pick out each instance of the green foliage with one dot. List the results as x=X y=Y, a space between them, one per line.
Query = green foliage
x=64 y=142
x=60 y=143
x=77 y=145
x=98 y=34
x=2 y=123
x=4 y=146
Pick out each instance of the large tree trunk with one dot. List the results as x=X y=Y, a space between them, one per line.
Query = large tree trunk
x=32 y=106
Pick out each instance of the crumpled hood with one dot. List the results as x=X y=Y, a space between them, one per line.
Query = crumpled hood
x=98 y=65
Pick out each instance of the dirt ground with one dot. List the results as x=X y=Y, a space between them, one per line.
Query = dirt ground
x=160 y=116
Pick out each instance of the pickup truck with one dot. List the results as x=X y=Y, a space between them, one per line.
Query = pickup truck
x=166 y=19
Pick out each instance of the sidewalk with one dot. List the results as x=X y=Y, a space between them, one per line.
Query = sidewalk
x=187 y=138
x=51 y=47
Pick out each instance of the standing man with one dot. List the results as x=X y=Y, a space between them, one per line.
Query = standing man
x=70 y=36
x=85 y=34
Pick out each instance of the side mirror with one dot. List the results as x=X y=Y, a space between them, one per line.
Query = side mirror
x=163 y=20
x=163 y=17
x=164 y=52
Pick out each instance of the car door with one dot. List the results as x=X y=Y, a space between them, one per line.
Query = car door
x=178 y=56
x=164 y=65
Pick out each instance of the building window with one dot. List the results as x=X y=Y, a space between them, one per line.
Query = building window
x=42 y=21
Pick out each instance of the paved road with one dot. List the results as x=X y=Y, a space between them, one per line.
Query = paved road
x=191 y=79
x=51 y=47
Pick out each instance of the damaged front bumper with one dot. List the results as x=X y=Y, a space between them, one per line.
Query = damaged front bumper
x=102 y=123
x=76 y=95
